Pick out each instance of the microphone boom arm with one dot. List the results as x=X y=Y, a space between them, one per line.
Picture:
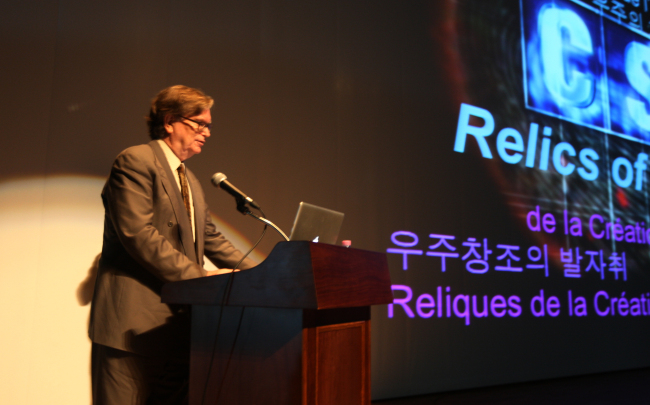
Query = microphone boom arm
x=243 y=201
x=266 y=221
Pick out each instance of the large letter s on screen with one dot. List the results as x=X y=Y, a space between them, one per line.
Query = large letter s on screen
x=637 y=68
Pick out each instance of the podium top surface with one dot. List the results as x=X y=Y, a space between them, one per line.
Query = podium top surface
x=296 y=275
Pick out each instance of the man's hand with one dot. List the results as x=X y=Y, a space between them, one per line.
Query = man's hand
x=220 y=271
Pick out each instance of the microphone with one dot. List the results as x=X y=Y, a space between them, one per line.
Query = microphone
x=219 y=181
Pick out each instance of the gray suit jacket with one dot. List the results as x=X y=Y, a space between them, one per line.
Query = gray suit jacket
x=147 y=243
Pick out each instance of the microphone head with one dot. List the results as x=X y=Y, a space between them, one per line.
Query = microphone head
x=217 y=178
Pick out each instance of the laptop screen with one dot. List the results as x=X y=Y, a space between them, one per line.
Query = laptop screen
x=316 y=224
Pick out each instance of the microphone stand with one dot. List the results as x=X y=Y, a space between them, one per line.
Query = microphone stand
x=243 y=208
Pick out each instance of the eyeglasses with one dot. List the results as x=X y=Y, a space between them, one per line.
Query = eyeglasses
x=201 y=125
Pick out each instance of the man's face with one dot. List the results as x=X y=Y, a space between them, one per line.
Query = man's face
x=184 y=137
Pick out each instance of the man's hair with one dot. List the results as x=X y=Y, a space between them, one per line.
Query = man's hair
x=177 y=101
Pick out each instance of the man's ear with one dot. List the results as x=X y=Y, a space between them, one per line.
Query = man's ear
x=169 y=120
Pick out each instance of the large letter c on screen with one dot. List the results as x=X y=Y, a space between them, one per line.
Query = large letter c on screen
x=559 y=28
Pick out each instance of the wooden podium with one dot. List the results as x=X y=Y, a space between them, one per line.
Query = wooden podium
x=295 y=329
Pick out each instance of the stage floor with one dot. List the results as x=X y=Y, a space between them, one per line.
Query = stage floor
x=629 y=387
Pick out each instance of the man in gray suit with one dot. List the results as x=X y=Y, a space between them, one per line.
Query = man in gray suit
x=157 y=229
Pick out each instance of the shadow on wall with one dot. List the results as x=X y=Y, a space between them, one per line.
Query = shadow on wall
x=87 y=287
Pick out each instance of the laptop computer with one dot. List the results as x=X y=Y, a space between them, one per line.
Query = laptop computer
x=316 y=224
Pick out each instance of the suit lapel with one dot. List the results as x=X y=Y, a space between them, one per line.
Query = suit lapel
x=176 y=199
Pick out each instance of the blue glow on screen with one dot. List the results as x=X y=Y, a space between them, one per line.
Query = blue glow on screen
x=563 y=67
x=628 y=58
x=581 y=66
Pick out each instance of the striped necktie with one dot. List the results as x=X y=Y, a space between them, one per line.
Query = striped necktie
x=185 y=190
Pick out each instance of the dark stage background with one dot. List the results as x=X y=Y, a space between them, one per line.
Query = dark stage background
x=383 y=110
